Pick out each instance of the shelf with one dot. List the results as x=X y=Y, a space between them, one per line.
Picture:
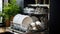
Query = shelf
x=38 y=15
x=40 y=5
x=35 y=14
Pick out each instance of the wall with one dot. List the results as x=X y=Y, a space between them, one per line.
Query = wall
x=5 y=2
x=20 y=3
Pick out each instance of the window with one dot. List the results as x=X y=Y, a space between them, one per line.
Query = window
x=0 y=10
x=0 y=5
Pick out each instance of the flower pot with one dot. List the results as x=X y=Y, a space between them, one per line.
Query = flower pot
x=7 y=21
x=11 y=19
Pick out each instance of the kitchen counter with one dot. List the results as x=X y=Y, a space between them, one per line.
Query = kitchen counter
x=2 y=30
x=7 y=31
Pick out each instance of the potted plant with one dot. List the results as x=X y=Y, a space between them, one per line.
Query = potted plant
x=10 y=10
